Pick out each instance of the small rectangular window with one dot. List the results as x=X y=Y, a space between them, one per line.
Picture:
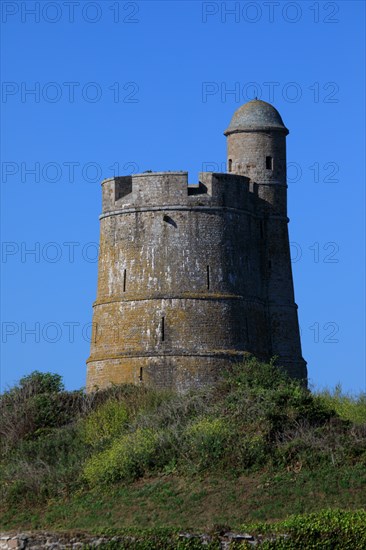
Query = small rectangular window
x=124 y=281
x=269 y=163
x=140 y=376
x=229 y=167
x=162 y=329
x=208 y=277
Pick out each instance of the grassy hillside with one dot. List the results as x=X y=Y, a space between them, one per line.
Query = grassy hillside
x=256 y=448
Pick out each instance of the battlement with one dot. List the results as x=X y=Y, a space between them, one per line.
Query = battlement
x=164 y=189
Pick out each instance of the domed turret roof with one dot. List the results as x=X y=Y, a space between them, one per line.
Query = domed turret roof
x=254 y=116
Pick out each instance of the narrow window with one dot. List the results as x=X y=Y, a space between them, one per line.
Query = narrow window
x=208 y=277
x=269 y=163
x=230 y=162
x=140 y=376
x=124 y=281
x=162 y=329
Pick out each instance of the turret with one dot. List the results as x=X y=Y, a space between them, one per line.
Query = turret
x=256 y=143
x=256 y=148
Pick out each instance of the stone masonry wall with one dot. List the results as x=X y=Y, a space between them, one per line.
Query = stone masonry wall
x=63 y=541
x=183 y=279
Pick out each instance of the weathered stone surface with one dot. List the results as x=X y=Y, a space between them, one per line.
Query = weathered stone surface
x=65 y=541
x=193 y=277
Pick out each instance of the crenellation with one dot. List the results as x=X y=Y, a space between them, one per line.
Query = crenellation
x=170 y=189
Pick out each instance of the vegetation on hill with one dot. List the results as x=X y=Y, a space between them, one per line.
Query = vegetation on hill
x=256 y=447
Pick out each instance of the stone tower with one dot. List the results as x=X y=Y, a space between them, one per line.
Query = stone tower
x=191 y=277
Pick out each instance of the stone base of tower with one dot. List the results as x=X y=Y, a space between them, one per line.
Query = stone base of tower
x=177 y=372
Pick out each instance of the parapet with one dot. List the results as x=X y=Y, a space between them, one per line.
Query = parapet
x=168 y=189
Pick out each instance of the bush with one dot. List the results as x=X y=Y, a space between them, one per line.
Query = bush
x=174 y=410
x=326 y=530
x=261 y=393
x=128 y=458
x=44 y=467
x=37 y=404
x=249 y=452
x=105 y=423
x=204 y=442
x=348 y=407
x=40 y=382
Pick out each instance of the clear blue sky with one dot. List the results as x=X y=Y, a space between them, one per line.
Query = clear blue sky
x=121 y=87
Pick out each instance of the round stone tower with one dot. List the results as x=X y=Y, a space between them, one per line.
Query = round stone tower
x=192 y=277
x=256 y=148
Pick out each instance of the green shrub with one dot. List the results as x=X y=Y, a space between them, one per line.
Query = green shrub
x=204 y=442
x=40 y=382
x=174 y=410
x=105 y=423
x=47 y=466
x=348 y=407
x=262 y=394
x=126 y=459
x=252 y=373
x=326 y=530
x=37 y=404
x=249 y=451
